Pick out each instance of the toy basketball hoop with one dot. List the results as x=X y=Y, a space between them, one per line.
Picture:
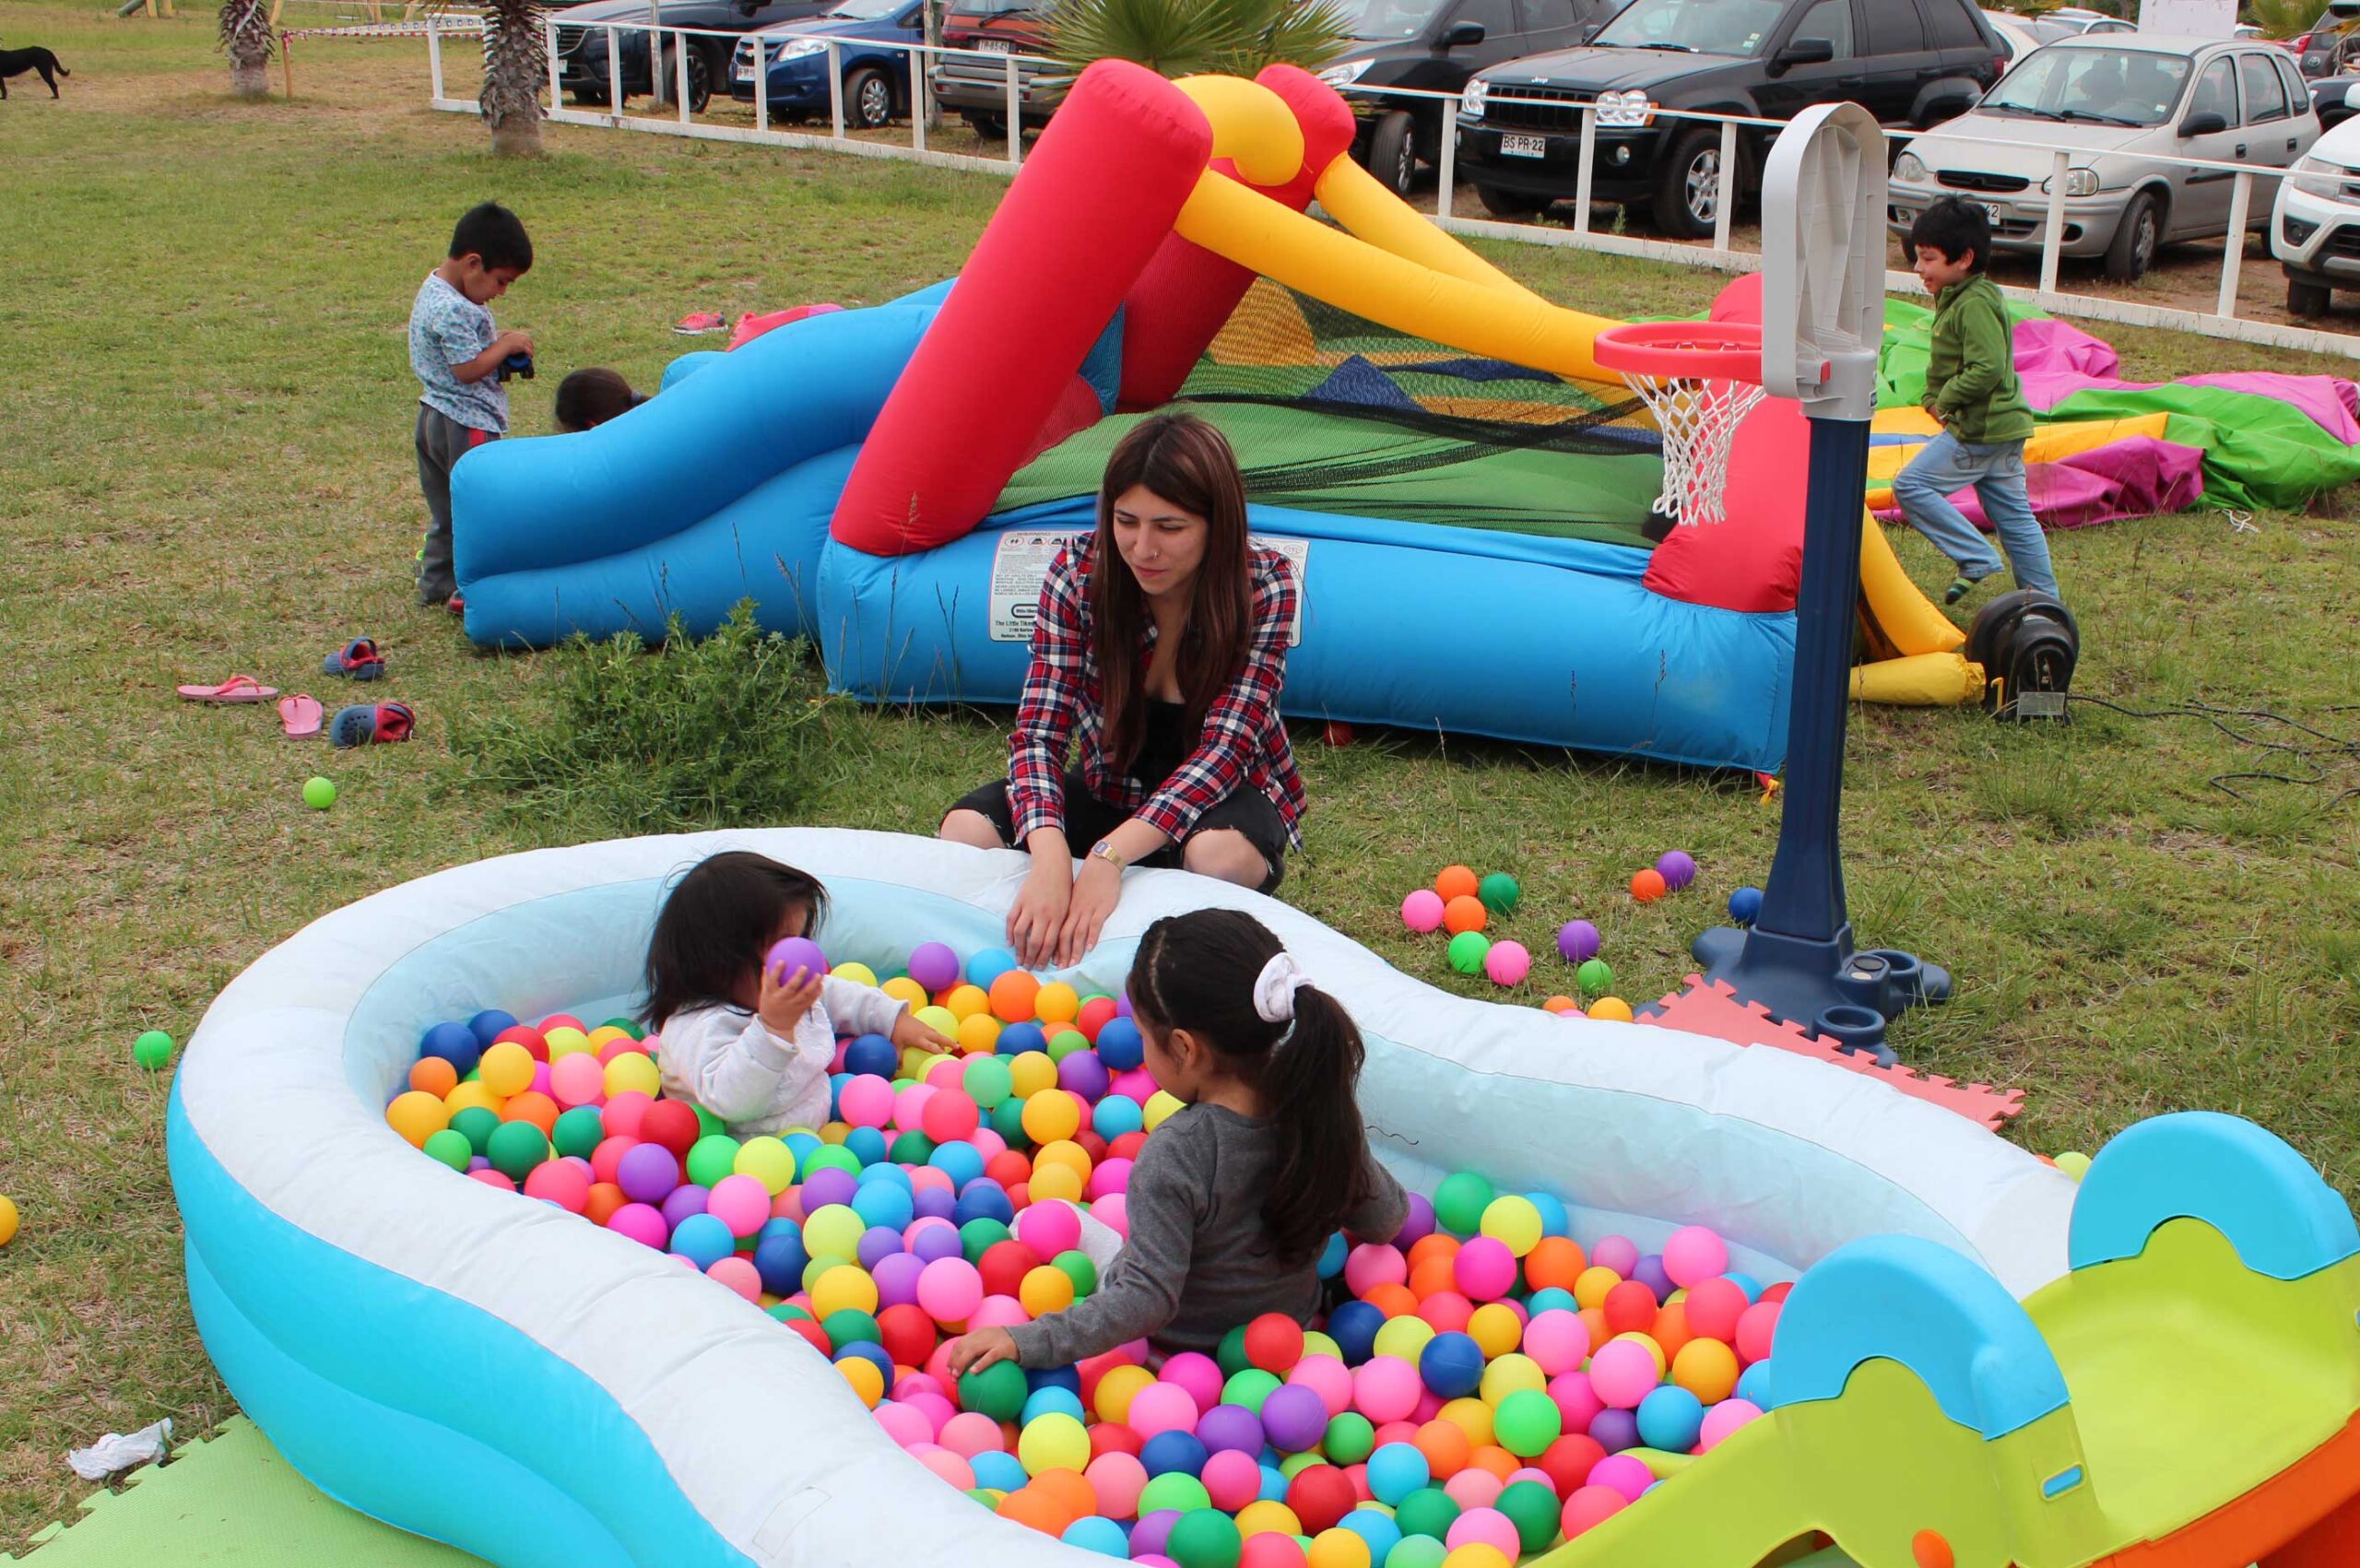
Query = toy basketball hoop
x=1700 y=379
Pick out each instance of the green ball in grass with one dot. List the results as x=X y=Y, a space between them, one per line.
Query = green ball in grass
x=711 y=1158
x=152 y=1050
x=1500 y=892
x=319 y=794
x=451 y=1148
x=1204 y=1538
x=515 y=1148
x=1460 y=1200
x=1467 y=951
x=1594 y=976
x=998 y=1391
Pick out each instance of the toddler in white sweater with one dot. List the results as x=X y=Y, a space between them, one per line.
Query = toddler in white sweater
x=750 y=1045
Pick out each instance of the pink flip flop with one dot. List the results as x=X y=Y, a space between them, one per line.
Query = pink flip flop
x=237 y=688
x=300 y=715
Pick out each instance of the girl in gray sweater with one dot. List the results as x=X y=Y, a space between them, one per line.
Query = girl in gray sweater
x=1233 y=1199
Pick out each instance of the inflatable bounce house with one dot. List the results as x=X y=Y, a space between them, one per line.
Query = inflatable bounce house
x=1705 y=1305
x=1465 y=492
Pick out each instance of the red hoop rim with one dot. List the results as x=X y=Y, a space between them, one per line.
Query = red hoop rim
x=1686 y=350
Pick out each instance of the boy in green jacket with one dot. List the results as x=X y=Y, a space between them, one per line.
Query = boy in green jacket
x=1971 y=387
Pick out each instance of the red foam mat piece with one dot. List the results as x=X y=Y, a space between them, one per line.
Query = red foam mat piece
x=1715 y=1010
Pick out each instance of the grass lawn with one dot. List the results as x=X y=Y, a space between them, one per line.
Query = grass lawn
x=208 y=469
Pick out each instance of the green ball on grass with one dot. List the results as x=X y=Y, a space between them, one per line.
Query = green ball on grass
x=319 y=794
x=152 y=1050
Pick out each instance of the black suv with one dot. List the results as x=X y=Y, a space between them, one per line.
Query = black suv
x=1911 y=62
x=1435 y=46
x=582 y=51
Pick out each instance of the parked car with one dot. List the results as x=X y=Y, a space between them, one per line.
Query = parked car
x=1910 y=62
x=1435 y=46
x=2328 y=47
x=581 y=49
x=2079 y=20
x=795 y=59
x=2331 y=98
x=2131 y=106
x=2023 y=34
x=974 y=86
x=2315 y=224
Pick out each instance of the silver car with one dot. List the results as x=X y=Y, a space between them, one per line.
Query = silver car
x=2127 y=107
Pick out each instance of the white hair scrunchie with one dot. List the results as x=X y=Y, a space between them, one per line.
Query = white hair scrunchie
x=1275 y=987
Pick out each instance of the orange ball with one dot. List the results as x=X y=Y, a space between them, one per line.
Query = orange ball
x=1457 y=882
x=1648 y=885
x=1594 y=1319
x=1069 y=1489
x=1013 y=996
x=531 y=1107
x=604 y=1199
x=1561 y=1005
x=432 y=1075
x=1436 y=1244
x=1393 y=1300
x=1446 y=1445
x=1492 y=1457
x=1432 y=1275
x=1931 y=1551
x=1464 y=913
x=1671 y=1328
x=1036 y=1509
x=1557 y=1262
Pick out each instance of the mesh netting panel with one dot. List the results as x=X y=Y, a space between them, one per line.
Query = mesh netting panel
x=1330 y=412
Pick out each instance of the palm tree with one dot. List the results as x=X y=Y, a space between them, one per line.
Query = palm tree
x=1181 y=38
x=516 y=70
x=247 y=39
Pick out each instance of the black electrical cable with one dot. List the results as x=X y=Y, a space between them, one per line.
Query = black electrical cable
x=2313 y=757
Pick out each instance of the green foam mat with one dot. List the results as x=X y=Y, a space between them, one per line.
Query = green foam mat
x=229 y=1499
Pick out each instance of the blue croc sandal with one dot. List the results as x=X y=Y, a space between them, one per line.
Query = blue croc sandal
x=383 y=724
x=358 y=658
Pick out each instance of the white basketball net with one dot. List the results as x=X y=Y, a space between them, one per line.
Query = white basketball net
x=1699 y=420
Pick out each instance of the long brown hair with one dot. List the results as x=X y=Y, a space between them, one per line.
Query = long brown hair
x=1189 y=463
x=1197 y=972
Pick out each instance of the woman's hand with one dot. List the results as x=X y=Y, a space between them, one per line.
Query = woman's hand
x=974 y=1353
x=1037 y=918
x=909 y=1034
x=785 y=999
x=1096 y=890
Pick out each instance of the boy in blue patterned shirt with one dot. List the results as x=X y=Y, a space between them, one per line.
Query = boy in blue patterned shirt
x=457 y=354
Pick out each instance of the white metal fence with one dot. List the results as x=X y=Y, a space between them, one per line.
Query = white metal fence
x=1582 y=233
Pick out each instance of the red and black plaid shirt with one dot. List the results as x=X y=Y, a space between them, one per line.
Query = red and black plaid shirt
x=1243 y=742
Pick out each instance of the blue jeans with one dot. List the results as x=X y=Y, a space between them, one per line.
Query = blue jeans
x=1947 y=466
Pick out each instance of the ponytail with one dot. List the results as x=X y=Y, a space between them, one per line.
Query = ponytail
x=1197 y=972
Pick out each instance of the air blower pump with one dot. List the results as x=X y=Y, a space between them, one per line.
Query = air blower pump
x=2027 y=644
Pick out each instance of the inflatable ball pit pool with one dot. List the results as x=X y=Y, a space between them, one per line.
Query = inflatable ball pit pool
x=500 y=1375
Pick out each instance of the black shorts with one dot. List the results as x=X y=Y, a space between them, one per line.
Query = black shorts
x=1089 y=819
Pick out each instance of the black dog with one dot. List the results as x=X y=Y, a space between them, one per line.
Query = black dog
x=17 y=62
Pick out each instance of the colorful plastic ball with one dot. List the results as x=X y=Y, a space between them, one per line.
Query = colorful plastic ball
x=1337 y=1547
x=1456 y=882
x=1274 y=1342
x=1271 y=1549
x=1459 y=1202
x=1694 y=1254
x=1294 y=1417
x=1053 y=1442
x=1649 y=885
x=1722 y=1420
x=1577 y=941
x=1589 y=1507
x=515 y=1148
x=1670 y=1417
x=1468 y=951
x=1706 y=1369
x=1104 y=1537
x=1500 y=892
x=1120 y=1045
x=1422 y=911
x=1622 y=1374
x=319 y=794
x=1176 y=1490
x=450 y=1149
x=2073 y=1163
x=1384 y=1388
x=1515 y=1221
x=934 y=966
x=506 y=1068
x=417 y=1115
x=1204 y=1538
x=1464 y=913
x=996 y=1391
x=1506 y=963
x=1527 y=1422
x=1610 y=1009
x=1426 y=1511
x=703 y=1240
x=1594 y=976
x=792 y=953
x=1321 y=1495
x=1396 y=1469
x=1417 y=1551
x=632 y=1072
x=1745 y=904
x=1677 y=868
x=1757 y=1329
x=1484 y=1269
x=1451 y=1364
